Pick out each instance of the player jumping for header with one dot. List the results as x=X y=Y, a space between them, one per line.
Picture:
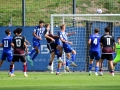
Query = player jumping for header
x=67 y=47
x=37 y=37
x=52 y=46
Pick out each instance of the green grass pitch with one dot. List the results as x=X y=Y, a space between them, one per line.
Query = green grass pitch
x=65 y=81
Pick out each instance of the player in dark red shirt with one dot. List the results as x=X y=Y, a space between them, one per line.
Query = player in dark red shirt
x=19 y=47
x=107 y=42
x=52 y=46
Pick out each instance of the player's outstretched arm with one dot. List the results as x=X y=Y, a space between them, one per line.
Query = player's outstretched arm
x=64 y=41
x=47 y=36
x=71 y=33
x=55 y=36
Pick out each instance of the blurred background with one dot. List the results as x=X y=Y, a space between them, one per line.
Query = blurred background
x=29 y=12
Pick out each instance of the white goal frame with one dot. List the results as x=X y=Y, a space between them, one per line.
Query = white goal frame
x=75 y=15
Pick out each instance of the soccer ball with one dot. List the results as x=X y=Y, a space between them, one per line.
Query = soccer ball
x=99 y=11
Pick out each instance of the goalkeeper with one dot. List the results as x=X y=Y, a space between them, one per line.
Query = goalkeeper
x=117 y=50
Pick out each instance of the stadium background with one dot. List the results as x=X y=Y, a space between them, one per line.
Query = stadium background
x=11 y=16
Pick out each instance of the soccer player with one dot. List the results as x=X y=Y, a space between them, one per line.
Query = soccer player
x=37 y=37
x=67 y=47
x=52 y=46
x=1 y=62
x=94 y=43
x=19 y=46
x=117 y=50
x=7 y=52
x=107 y=42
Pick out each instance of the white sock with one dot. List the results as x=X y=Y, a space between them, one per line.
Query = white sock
x=67 y=67
x=25 y=73
x=59 y=57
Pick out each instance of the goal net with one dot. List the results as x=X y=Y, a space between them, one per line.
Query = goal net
x=84 y=25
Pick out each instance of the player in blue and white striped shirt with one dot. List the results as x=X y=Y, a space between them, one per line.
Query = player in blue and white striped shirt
x=67 y=47
x=37 y=37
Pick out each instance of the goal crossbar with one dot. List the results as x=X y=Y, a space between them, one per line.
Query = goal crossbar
x=78 y=15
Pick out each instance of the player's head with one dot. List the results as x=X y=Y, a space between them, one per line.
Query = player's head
x=62 y=26
x=96 y=30
x=41 y=23
x=118 y=39
x=7 y=32
x=107 y=29
x=15 y=32
x=19 y=30
x=47 y=26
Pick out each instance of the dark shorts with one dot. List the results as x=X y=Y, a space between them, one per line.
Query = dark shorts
x=51 y=46
x=16 y=58
x=19 y=54
x=95 y=55
x=107 y=56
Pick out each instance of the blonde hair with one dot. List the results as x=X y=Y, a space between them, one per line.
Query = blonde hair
x=47 y=24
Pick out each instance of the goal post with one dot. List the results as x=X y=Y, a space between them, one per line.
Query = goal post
x=84 y=25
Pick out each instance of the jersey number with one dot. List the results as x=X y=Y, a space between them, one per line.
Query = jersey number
x=95 y=41
x=18 y=42
x=108 y=41
x=6 y=43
